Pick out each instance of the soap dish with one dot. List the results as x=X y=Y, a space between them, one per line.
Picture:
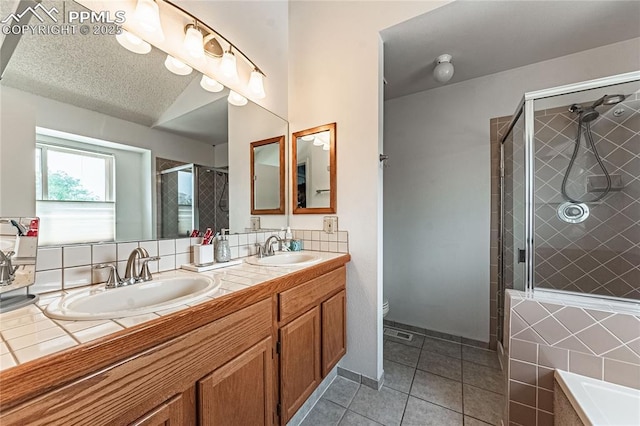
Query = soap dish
x=211 y=266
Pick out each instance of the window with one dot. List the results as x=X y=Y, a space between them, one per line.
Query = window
x=75 y=197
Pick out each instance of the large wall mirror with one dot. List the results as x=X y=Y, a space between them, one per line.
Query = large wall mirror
x=124 y=131
x=313 y=163
x=267 y=176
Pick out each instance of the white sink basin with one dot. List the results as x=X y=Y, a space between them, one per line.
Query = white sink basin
x=285 y=259
x=134 y=299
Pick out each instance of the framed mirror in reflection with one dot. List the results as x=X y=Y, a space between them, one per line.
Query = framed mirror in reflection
x=267 y=176
x=313 y=161
x=110 y=119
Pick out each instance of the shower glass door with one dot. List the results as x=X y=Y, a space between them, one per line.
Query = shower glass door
x=177 y=203
x=511 y=274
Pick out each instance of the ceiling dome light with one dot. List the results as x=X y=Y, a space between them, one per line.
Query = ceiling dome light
x=236 y=99
x=444 y=69
x=210 y=85
x=194 y=41
x=133 y=43
x=147 y=15
x=228 y=66
x=176 y=66
x=256 y=84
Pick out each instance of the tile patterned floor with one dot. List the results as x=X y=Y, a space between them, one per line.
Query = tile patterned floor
x=428 y=381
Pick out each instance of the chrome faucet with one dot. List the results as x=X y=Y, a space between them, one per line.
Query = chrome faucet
x=114 y=279
x=268 y=246
x=139 y=255
x=7 y=270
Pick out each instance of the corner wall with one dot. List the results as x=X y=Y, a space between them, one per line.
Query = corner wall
x=335 y=75
x=437 y=208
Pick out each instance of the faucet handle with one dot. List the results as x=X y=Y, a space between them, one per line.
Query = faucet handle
x=114 y=279
x=145 y=273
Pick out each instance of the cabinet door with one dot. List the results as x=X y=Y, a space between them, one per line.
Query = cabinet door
x=171 y=413
x=241 y=391
x=299 y=361
x=334 y=331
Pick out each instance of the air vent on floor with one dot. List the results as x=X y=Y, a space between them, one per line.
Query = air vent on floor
x=398 y=334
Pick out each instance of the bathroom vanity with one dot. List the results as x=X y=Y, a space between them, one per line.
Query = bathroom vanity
x=251 y=357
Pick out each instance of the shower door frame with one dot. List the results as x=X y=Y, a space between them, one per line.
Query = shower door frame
x=526 y=106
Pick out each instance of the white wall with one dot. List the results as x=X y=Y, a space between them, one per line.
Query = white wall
x=335 y=76
x=437 y=186
x=247 y=124
x=21 y=112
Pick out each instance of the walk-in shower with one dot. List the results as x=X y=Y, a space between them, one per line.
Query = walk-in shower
x=190 y=197
x=570 y=191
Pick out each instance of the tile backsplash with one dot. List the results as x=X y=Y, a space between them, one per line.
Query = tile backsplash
x=590 y=337
x=65 y=267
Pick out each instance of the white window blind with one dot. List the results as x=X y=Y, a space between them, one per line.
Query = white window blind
x=75 y=197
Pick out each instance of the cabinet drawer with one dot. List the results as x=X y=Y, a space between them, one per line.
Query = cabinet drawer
x=299 y=299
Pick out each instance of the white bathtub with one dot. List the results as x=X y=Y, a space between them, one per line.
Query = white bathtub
x=600 y=403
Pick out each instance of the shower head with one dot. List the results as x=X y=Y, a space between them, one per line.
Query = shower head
x=613 y=99
x=588 y=115
x=608 y=100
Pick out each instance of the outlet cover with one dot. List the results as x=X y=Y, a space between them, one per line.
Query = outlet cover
x=330 y=224
x=255 y=223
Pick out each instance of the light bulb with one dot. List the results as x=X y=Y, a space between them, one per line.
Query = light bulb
x=325 y=147
x=256 y=84
x=210 y=84
x=194 y=42
x=236 y=99
x=228 y=66
x=147 y=15
x=308 y=138
x=317 y=141
x=133 y=43
x=176 y=66
x=444 y=70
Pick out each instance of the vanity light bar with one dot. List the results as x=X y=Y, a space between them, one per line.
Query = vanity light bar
x=199 y=41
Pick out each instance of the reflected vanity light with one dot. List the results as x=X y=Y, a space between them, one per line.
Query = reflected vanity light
x=133 y=43
x=317 y=141
x=147 y=15
x=308 y=138
x=194 y=41
x=176 y=66
x=236 y=99
x=325 y=147
x=210 y=85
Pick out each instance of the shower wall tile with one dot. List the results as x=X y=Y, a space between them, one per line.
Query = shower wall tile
x=603 y=342
x=600 y=255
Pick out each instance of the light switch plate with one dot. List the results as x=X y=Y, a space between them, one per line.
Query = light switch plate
x=330 y=224
x=255 y=223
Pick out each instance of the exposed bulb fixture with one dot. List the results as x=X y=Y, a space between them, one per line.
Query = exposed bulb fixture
x=228 y=66
x=444 y=69
x=317 y=141
x=256 y=84
x=147 y=15
x=194 y=41
x=176 y=66
x=133 y=43
x=210 y=85
x=236 y=99
x=325 y=147
x=308 y=138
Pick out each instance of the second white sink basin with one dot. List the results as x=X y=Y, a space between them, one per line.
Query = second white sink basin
x=134 y=299
x=285 y=259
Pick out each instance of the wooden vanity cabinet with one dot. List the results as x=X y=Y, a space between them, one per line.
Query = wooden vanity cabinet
x=312 y=337
x=177 y=411
x=241 y=391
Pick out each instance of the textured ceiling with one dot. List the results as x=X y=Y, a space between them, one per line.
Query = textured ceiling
x=94 y=72
x=486 y=37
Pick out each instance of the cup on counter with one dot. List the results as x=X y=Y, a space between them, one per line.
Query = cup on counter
x=295 y=245
x=202 y=254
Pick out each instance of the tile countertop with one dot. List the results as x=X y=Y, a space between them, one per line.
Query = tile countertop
x=27 y=333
